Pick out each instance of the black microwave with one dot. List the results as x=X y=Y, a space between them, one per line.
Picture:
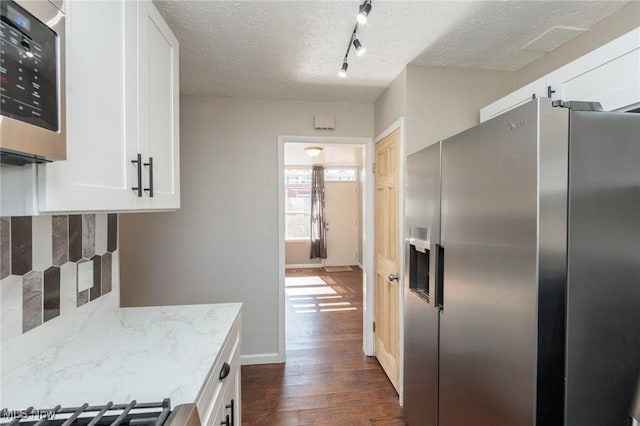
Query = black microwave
x=32 y=82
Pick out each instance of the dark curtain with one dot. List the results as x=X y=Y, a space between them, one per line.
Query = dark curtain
x=318 y=228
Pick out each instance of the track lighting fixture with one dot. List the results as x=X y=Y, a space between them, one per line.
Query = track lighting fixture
x=343 y=71
x=359 y=49
x=364 y=10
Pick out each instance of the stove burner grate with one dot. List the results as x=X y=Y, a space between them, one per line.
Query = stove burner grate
x=131 y=414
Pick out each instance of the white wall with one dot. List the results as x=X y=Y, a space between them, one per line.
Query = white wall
x=222 y=245
x=444 y=101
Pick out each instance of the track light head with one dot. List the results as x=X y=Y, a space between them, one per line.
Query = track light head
x=365 y=9
x=343 y=71
x=358 y=46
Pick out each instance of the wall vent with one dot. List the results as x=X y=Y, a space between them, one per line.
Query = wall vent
x=324 y=122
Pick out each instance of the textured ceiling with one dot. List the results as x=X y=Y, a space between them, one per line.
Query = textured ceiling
x=293 y=49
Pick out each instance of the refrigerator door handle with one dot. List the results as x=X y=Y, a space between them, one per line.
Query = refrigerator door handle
x=439 y=290
x=433 y=271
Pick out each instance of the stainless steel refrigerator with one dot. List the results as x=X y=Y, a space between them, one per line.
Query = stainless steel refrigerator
x=522 y=283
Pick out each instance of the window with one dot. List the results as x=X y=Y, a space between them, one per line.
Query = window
x=297 y=219
x=297 y=186
x=340 y=174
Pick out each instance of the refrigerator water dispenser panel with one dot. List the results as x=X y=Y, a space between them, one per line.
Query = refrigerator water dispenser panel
x=419 y=262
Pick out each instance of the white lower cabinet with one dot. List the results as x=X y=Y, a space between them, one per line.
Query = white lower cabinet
x=122 y=102
x=219 y=401
x=609 y=75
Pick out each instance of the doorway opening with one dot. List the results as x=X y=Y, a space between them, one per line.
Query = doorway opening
x=312 y=286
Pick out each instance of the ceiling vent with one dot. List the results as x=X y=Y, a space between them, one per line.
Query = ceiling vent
x=553 y=38
x=324 y=122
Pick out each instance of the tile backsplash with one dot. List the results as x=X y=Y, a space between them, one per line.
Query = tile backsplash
x=56 y=274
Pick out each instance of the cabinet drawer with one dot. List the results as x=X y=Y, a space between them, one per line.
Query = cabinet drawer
x=212 y=397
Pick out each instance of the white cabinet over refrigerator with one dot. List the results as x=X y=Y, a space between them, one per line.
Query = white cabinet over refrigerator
x=609 y=74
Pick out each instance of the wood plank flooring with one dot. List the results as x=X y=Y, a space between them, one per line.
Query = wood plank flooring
x=327 y=380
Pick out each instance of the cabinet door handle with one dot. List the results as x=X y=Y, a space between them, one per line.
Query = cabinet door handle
x=150 y=165
x=233 y=415
x=225 y=422
x=138 y=161
x=224 y=371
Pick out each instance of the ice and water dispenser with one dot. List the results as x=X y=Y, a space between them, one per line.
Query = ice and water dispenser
x=419 y=250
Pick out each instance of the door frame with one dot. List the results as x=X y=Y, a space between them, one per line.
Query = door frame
x=368 y=236
x=399 y=125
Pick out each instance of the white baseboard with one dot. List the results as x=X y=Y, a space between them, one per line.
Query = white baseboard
x=303 y=265
x=361 y=266
x=254 y=359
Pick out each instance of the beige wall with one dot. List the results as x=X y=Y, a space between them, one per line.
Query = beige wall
x=438 y=102
x=297 y=253
x=619 y=23
x=391 y=104
x=222 y=245
x=444 y=101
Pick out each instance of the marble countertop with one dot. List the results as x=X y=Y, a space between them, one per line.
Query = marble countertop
x=146 y=354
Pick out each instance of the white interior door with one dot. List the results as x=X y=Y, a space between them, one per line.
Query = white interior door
x=341 y=210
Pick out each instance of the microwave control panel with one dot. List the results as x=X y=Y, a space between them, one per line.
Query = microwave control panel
x=28 y=68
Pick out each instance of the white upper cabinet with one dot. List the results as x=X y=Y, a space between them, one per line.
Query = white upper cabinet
x=122 y=100
x=609 y=75
x=158 y=132
x=95 y=175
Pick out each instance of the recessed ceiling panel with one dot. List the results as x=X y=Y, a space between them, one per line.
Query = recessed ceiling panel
x=553 y=38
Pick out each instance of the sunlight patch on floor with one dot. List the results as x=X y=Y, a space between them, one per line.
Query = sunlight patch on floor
x=317 y=294
x=334 y=304
x=304 y=305
x=320 y=304
x=309 y=291
x=303 y=281
x=339 y=309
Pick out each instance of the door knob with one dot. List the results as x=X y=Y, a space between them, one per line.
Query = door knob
x=393 y=277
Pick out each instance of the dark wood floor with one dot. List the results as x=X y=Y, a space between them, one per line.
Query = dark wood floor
x=327 y=380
